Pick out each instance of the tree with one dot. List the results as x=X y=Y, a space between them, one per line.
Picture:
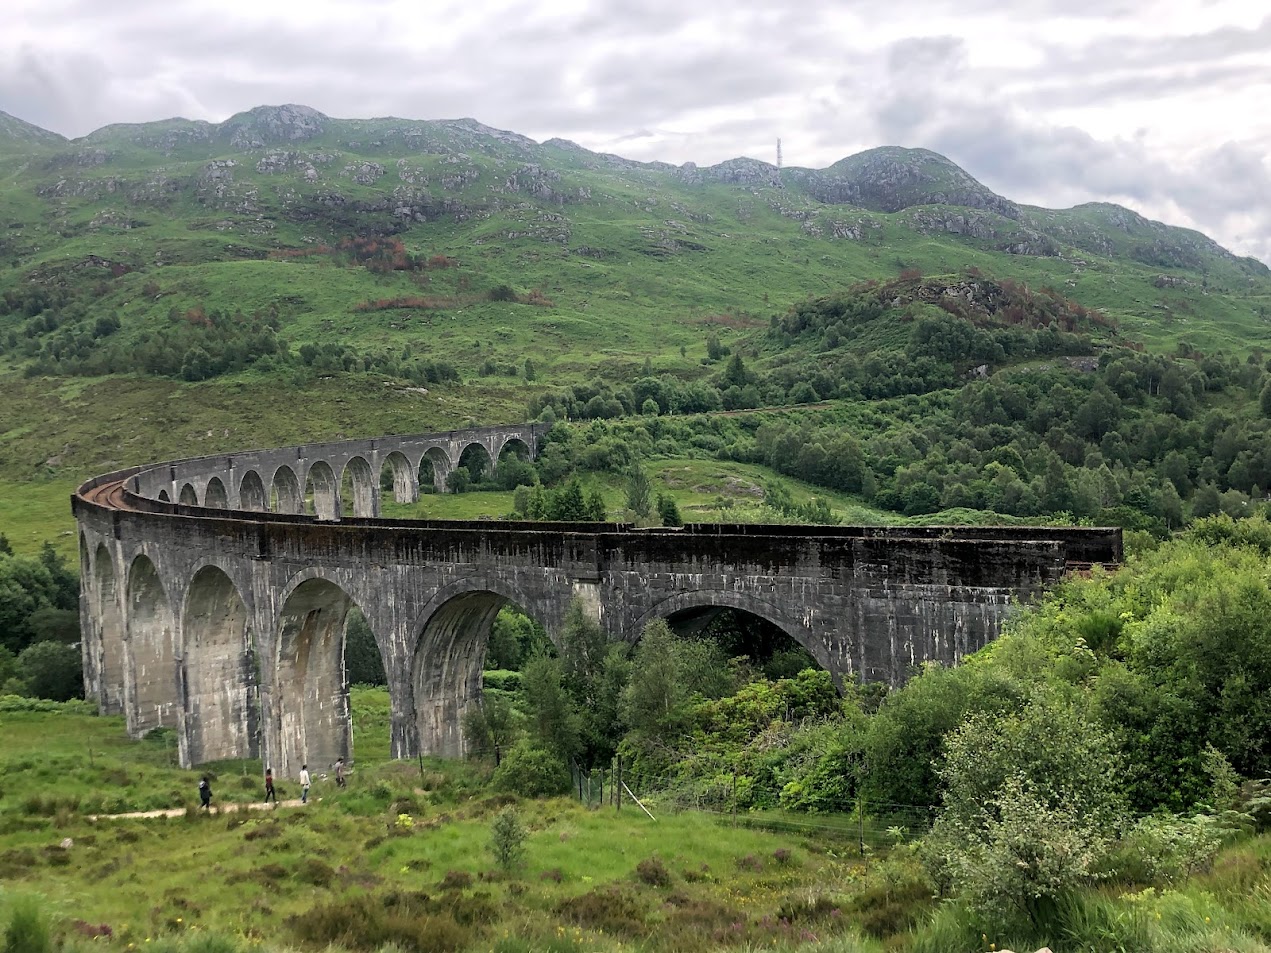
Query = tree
x=530 y=372
x=651 y=703
x=595 y=507
x=458 y=479
x=668 y=512
x=362 y=662
x=51 y=670
x=735 y=374
x=639 y=492
x=507 y=838
x=1031 y=803
x=594 y=674
x=54 y=625
x=553 y=722
x=490 y=728
x=25 y=586
x=567 y=503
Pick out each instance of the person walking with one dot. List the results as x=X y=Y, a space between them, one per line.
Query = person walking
x=205 y=794
x=270 y=794
x=339 y=772
x=304 y=784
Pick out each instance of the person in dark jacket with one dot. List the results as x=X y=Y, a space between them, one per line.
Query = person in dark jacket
x=205 y=793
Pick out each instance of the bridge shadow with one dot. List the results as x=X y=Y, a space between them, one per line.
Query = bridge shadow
x=767 y=648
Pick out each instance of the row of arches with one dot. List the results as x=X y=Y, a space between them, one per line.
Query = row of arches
x=196 y=665
x=357 y=490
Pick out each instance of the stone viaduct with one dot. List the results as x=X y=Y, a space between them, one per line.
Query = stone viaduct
x=216 y=590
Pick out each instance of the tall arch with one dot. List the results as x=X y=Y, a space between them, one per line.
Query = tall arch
x=515 y=446
x=477 y=459
x=434 y=467
x=404 y=479
x=684 y=603
x=107 y=635
x=220 y=670
x=310 y=693
x=446 y=667
x=358 y=472
x=321 y=483
x=285 y=495
x=189 y=496
x=215 y=495
x=156 y=695
x=251 y=493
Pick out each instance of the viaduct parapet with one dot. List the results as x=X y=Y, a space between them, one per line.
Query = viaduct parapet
x=215 y=591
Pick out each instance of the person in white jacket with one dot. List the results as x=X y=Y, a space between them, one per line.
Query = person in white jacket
x=304 y=783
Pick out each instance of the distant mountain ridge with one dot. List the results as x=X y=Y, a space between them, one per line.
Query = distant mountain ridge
x=886 y=179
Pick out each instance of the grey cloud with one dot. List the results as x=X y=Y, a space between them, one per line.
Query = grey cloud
x=675 y=80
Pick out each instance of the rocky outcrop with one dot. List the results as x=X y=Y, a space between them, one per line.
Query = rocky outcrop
x=892 y=179
x=1006 y=235
x=272 y=125
x=742 y=171
x=364 y=173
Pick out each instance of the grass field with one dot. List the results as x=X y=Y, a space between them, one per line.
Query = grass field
x=398 y=828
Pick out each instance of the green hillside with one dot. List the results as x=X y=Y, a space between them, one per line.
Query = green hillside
x=181 y=287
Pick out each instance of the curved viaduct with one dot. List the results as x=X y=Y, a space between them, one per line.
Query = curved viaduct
x=215 y=590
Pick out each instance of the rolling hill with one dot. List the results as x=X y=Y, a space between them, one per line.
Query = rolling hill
x=151 y=274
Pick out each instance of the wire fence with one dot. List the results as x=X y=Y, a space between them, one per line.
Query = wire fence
x=869 y=827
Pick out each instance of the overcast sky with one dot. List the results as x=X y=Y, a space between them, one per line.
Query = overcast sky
x=1161 y=105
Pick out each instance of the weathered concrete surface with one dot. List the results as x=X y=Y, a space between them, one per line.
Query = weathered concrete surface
x=226 y=622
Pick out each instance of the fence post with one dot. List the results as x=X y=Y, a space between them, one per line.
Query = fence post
x=860 y=821
x=617 y=788
x=734 y=797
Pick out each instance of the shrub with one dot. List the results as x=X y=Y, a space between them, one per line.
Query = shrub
x=749 y=862
x=612 y=909
x=455 y=880
x=314 y=871
x=507 y=838
x=532 y=771
x=653 y=872
x=28 y=930
x=368 y=923
x=1164 y=849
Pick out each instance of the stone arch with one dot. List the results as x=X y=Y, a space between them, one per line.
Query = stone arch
x=189 y=496
x=405 y=479
x=476 y=457
x=163 y=497
x=156 y=694
x=515 y=445
x=109 y=651
x=310 y=693
x=251 y=493
x=215 y=495
x=745 y=602
x=220 y=670
x=285 y=494
x=363 y=486
x=434 y=467
x=321 y=483
x=446 y=665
